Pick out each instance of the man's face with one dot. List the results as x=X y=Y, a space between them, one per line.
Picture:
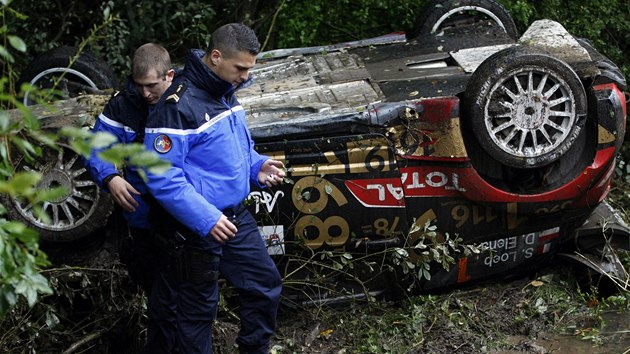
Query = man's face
x=235 y=69
x=152 y=85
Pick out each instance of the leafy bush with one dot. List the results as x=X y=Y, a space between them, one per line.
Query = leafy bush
x=177 y=25
x=180 y=25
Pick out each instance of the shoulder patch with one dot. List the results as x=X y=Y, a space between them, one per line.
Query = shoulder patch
x=179 y=92
x=162 y=144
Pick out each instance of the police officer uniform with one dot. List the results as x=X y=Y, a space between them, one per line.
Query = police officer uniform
x=124 y=116
x=200 y=127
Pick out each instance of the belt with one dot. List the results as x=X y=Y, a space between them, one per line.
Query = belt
x=230 y=211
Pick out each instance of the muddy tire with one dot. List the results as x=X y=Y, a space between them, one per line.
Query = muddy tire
x=84 y=209
x=439 y=15
x=74 y=216
x=526 y=109
x=86 y=75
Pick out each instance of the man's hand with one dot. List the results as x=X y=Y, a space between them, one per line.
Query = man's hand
x=271 y=173
x=122 y=192
x=223 y=230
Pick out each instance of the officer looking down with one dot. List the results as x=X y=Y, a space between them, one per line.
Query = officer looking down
x=125 y=117
x=200 y=128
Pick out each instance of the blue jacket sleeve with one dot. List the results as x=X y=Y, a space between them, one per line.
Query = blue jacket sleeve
x=256 y=159
x=173 y=191
x=256 y=163
x=98 y=168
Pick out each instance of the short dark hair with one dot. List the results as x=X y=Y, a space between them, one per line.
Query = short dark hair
x=233 y=38
x=151 y=56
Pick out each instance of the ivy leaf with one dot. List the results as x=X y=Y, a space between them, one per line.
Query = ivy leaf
x=25 y=147
x=49 y=194
x=4 y=53
x=5 y=121
x=51 y=319
x=45 y=138
x=23 y=182
x=17 y=43
x=102 y=139
x=81 y=147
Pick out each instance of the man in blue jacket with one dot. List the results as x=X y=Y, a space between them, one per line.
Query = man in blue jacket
x=200 y=128
x=125 y=117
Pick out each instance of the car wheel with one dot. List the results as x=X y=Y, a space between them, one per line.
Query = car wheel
x=440 y=15
x=85 y=208
x=52 y=70
x=525 y=107
x=73 y=216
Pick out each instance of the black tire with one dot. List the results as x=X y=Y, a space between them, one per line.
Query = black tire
x=530 y=124
x=75 y=215
x=86 y=75
x=438 y=15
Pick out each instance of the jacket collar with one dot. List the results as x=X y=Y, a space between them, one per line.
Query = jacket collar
x=201 y=76
x=132 y=93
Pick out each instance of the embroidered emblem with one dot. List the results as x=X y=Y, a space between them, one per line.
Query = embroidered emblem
x=207 y=117
x=162 y=144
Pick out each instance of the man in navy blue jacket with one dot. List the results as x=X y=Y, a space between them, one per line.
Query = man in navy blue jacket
x=200 y=128
x=125 y=117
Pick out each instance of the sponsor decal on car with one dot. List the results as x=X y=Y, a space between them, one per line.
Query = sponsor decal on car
x=273 y=236
x=504 y=253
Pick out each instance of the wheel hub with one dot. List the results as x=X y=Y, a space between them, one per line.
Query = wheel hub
x=530 y=112
x=57 y=178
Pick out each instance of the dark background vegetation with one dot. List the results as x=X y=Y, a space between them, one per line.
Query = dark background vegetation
x=180 y=25
x=116 y=27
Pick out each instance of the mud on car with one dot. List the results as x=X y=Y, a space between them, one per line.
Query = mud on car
x=496 y=140
x=509 y=145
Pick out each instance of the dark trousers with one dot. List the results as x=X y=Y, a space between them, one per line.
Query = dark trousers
x=181 y=313
x=137 y=252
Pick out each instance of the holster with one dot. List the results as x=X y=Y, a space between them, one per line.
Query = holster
x=182 y=263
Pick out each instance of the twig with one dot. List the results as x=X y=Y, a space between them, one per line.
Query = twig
x=76 y=345
x=273 y=22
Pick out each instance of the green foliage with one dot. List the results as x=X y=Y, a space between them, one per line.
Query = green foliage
x=20 y=257
x=21 y=260
x=320 y=22
x=178 y=25
x=135 y=154
x=426 y=247
x=485 y=318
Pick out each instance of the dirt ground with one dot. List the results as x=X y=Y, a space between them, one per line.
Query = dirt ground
x=489 y=318
x=99 y=310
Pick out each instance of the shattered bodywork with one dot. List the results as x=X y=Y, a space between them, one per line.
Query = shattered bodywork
x=378 y=142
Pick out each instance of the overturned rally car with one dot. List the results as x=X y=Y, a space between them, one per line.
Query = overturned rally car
x=461 y=131
x=509 y=146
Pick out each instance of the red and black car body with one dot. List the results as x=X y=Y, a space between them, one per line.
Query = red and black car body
x=382 y=138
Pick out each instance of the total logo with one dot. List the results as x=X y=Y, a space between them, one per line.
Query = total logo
x=413 y=182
